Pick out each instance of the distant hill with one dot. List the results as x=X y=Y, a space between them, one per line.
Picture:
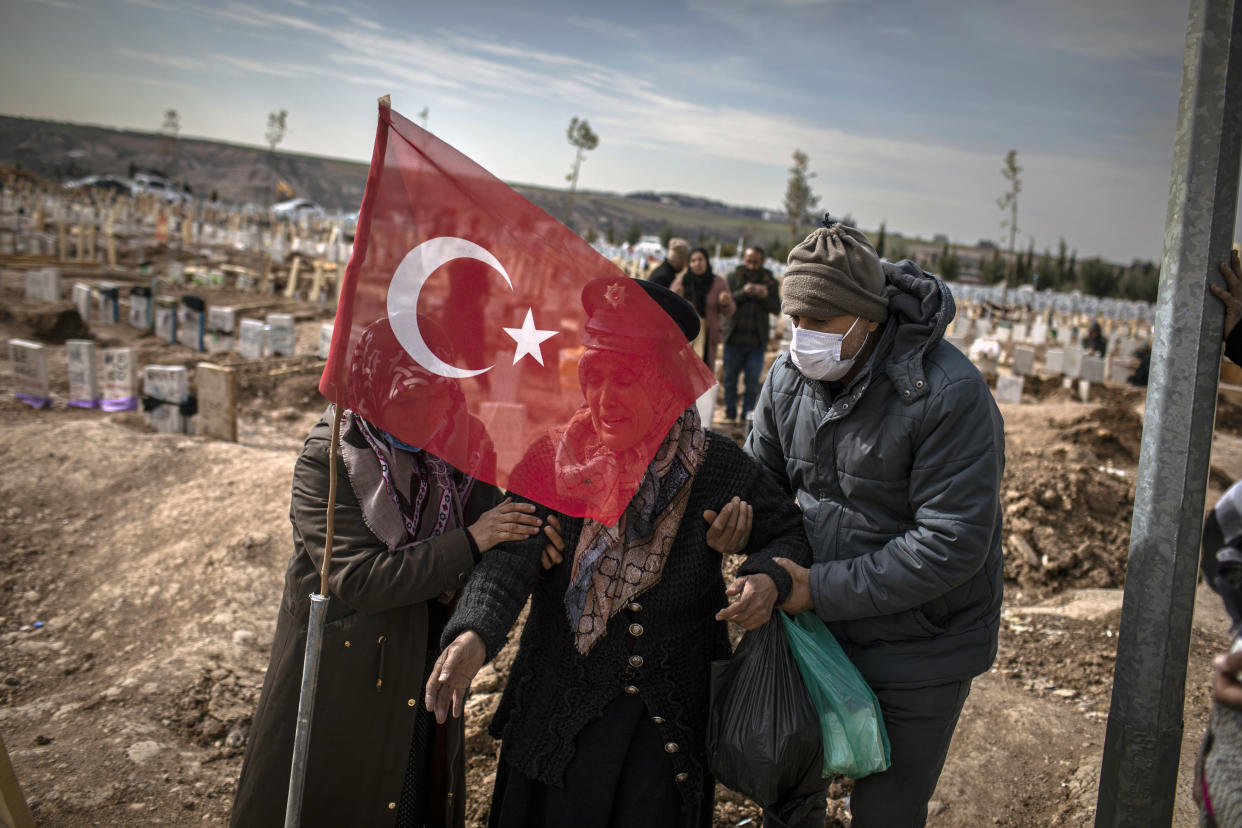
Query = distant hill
x=238 y=173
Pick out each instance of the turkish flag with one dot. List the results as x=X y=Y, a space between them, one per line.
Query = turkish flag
x=468 y=317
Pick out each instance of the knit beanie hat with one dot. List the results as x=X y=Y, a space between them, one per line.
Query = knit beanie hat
x=834 y=272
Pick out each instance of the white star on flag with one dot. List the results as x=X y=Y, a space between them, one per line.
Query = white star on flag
x=528 y=338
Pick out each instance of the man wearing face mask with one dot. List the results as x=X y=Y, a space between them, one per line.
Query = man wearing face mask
x=890 y=441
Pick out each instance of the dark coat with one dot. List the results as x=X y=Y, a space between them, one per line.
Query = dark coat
x=659 y=648
x=749 y=324
x=374 y=659
x=899 y=481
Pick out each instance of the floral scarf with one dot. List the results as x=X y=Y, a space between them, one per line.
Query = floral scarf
x=614 y=564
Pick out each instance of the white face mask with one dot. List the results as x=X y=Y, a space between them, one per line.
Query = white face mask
x=818 y=355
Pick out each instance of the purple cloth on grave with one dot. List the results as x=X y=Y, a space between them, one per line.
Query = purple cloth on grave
x=31 y=399
x=122 y=404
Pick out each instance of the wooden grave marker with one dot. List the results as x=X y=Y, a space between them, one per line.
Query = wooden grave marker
x=217 y=401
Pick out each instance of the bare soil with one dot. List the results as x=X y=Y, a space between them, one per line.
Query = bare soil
x=140 y=575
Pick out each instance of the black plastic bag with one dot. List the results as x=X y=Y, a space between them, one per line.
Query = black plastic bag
x=763 y=736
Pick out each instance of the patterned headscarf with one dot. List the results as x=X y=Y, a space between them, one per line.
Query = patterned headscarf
x=614 y=564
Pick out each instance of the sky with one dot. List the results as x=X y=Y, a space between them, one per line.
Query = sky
x=906 y=109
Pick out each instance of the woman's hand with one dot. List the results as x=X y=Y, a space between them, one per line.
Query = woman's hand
x=553 y=553
x=507 y=522
x=728 y=531
x=451 y=676
x=754 y=596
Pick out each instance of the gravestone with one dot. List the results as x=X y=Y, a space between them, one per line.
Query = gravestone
x=120 y=380
x=1092 y=368
x=109 y=303
x=252 y=339
x=1072 y=365
x=325 y=340
x=83 y=300
x=29 y=373
x=217 y=401
x=166 y=388
x=1039 y=332
x=83 y=376
x=165 y=320
x=282 y=335
x=1009 y=388
x=1024 y=360
x=983 y=328
x=192 y=322
x=1119 y=369
x=175 y=273
x=1003 y=333
x=43 y=285
x=1020 y=332
x=141 y=308
x=220 y=328
x=1054 y=360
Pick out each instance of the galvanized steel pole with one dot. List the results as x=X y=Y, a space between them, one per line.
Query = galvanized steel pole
x=1143 y=740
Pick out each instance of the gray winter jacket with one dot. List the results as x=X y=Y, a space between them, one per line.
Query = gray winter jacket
x=899 y=481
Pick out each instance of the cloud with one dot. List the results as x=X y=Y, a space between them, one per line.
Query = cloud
x=181 y=62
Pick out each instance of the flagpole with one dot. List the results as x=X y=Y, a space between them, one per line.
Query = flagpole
x=314 y=646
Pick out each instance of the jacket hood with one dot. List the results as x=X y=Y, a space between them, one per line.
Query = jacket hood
x=920 y=309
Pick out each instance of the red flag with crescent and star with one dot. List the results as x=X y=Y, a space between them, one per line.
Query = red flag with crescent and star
x=465 y=322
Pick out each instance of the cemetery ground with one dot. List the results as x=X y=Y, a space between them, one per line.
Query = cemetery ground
x=154 y=564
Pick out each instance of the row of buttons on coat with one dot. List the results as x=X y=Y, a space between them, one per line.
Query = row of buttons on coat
x=636 y=661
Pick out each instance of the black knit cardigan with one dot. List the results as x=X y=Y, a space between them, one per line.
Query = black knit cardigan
x=553 y=691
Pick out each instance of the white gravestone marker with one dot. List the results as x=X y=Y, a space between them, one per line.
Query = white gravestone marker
x=1054 y=360
x=1072 y=366
x=83 y=378
x=1092 y=368
x=166 y=318
x=141 y=308
x=29 y=373
x=221 y=324
x=325 y=340
x=83 y=299
x=282 y=335
x=1023 y=360
x=166 y=388
x=1009 y=388
x=120 y=380
x=1039 y=332
x=252 y=336
x=109 y=303
x=192 y=322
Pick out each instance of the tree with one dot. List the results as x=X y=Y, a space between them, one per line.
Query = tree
x=1097 y=278
x=580 y=136
x=879 y=241
x=666 y=233
x=276 y=125
x=950 y=267
x=993 y=270
x=799 y=200
x=1009 y=201
x=170 y=129
x=610 y=232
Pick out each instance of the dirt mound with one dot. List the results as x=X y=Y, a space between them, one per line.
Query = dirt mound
x=1047 y=389
x=1112 y=432
x=49 y=324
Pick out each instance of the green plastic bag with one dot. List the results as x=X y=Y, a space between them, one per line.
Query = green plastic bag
x=850 y=722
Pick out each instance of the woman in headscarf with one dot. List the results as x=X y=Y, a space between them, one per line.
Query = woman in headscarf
x=712 y=300
x=604 y=714
x=409 y=529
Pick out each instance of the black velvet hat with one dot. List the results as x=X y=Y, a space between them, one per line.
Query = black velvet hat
x=616 y=322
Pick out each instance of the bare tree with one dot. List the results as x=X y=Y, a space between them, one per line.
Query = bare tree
x=170 y=130
x=422 y=116
x=799 y=200
x=581 y=136
x=277 y=122
x=1009 y=203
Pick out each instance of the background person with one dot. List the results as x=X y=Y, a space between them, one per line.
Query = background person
x=603 y=717
x=892 y=445
x=674 y=263
x=756 y=295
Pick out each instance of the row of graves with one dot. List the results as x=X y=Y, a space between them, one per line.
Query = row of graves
x=1029 y=333
x=173 y=398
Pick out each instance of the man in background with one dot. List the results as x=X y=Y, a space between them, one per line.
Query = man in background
x=756 y=295
x=675 y=262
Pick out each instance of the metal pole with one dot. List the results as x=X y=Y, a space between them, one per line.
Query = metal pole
x=306 y=708
x=1143 y=740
